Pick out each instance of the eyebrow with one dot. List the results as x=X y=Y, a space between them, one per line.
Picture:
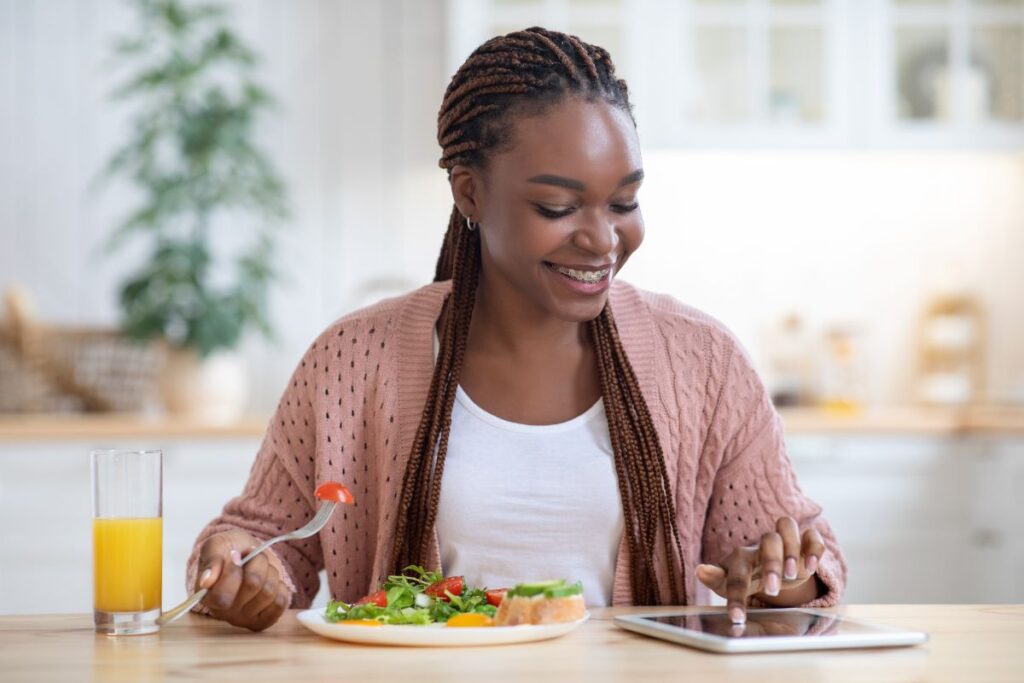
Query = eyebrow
x=572 y=184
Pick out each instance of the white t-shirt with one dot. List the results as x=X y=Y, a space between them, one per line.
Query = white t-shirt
x=530 y=502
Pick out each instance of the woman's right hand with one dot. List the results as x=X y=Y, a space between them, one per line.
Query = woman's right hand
x=253 y=596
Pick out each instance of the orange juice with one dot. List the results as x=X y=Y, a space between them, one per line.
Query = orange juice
x=127 y=561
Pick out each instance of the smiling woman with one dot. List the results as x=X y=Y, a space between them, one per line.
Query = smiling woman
x=566 y=425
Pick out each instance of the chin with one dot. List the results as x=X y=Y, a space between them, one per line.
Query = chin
x=582 y=311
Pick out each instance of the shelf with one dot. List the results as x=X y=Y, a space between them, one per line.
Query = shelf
x=907 y=420
x=41 y=427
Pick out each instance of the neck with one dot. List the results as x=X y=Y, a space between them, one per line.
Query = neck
x=505 y=322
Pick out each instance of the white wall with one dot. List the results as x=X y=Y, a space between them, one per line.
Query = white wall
x=853 y=237
x=359 y=85
x=856 y=236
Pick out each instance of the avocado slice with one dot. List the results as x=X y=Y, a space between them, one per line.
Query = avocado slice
x=528 y=590
x=565 y=591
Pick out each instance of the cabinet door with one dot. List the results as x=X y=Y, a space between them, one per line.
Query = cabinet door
x=997 y=536
x=953 y=72
x=899 y=508
x=761 y=72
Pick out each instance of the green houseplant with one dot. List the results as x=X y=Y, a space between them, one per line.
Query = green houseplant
x=210 y=200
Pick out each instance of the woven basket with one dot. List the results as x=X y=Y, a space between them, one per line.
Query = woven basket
x=61 y=369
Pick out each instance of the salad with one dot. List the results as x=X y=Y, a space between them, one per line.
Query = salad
x=419 y=597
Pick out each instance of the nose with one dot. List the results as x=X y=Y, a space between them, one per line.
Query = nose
x=598 y=235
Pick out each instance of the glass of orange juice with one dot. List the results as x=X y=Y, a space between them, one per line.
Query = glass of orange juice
x=127 y=540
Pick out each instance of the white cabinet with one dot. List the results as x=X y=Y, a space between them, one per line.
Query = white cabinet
x=46 y=516
x=997 y=521
x=794 y=73
x=955 y=69
x=921 y=519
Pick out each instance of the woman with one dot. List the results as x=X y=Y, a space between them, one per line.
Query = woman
x=581 y=428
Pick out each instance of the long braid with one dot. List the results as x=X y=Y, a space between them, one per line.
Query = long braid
x=522 y=72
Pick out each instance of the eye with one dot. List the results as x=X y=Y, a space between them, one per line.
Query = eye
x=625 y=208
x=548 y=213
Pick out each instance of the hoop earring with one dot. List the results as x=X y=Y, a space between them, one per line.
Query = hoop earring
x=470 y=226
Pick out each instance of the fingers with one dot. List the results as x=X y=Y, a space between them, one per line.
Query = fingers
x=275 y=609
x=255 y=612
x=771 y=559
x=254 y=575
x=224 y=577
x=812 y=549
x=712 y=576
x=210 y=559
x=787 y=528
x=737 y=586
x=253 y=596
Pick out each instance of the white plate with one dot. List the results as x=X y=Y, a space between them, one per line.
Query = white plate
x=433 y=635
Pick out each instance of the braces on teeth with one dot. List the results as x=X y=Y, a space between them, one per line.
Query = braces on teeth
x=583 y=276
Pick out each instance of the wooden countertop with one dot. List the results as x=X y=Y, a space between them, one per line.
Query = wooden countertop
x=883 y=420
x=63 y=427
x=1005 y=420
x=967 y=643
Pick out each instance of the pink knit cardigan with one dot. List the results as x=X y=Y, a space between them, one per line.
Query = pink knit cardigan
x=351 y=409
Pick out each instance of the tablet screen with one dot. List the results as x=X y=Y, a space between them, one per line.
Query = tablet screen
x=767 y=624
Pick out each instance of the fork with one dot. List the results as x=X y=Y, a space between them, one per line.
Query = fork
x=330 y=493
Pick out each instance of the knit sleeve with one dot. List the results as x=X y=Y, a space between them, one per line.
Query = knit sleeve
x=278 y=498
x=755 y=484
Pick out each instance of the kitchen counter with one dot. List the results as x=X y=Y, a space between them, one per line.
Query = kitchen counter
x=72 y=427
x=967 y=643
x=889 y=420
x=980 y=420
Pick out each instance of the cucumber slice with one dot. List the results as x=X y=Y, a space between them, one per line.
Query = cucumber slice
x=528 y=590
x=566 y=591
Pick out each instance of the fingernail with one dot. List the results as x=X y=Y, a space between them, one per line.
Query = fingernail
x=236 y=557
x=737 y=615
x=772 y=584
x=790 y=568
x=811 y=563
x=204 y=577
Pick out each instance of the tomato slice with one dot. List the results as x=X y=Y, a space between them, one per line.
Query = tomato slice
x=453 y=585
x=380 y=599
x=494 y=597
x=334 y=492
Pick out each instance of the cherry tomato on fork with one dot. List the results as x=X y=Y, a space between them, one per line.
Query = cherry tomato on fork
x=334 y=492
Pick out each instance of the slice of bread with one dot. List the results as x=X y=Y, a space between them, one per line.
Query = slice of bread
x=550 y=603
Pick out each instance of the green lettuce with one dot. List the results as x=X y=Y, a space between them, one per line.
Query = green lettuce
x=401 y=590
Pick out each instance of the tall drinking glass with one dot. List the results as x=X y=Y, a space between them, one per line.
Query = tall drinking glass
x=127 y=540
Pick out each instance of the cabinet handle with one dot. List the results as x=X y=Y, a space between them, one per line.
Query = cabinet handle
x=986 y=538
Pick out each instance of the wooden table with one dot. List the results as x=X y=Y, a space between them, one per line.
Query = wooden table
x=968 y=643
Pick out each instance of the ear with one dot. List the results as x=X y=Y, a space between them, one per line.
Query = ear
x=467 y=191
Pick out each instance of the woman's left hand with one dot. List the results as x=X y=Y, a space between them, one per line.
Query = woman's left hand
x=772 y=570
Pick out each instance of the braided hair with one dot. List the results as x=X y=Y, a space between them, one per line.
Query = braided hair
x=524 y=73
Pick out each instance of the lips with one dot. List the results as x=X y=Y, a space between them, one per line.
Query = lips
x=577 y=266
x=583 y=278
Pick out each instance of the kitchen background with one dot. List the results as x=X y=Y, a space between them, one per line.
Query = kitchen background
x=840 y=181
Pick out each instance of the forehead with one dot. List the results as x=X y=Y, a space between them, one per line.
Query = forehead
x=588 y=141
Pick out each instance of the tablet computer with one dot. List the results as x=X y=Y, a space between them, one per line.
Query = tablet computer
x=768 y=630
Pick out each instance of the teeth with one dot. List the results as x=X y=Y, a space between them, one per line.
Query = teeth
x=583 y=275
